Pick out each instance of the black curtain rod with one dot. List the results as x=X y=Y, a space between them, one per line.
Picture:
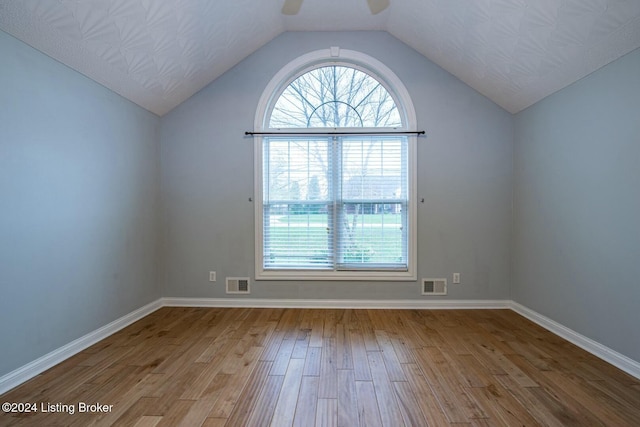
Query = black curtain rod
x=415 y=132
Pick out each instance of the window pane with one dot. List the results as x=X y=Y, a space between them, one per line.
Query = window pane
x=374 y=168
x=373 y=235
x=298 y=206
x=372 y=216
x=297 y=235
x=335 y=96
x=296 y=169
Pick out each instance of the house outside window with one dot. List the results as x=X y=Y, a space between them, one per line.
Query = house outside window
x=335 y=175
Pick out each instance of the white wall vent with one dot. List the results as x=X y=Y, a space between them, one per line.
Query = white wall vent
x=238 y=285
x=434 y=286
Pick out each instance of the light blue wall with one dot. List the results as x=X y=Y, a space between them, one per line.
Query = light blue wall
x=464 y=174
x=577 y=206
x=78 y=205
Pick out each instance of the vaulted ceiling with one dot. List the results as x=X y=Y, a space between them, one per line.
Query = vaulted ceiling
x=159 y=53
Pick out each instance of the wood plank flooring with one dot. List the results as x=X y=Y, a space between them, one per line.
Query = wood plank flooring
x=295 y=367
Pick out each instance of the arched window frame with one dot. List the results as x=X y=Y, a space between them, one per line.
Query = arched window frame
x=268 y=99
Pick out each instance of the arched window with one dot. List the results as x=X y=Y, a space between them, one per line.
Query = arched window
x=334 y=186
x=335 y=96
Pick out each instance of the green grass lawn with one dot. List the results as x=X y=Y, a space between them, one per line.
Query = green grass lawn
x=375 y=238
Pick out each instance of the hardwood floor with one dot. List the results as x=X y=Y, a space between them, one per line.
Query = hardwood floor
x=282 y=367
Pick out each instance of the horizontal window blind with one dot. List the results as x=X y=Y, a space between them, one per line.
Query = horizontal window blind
x=335 y=203
x=298 y=203
x=372 y=204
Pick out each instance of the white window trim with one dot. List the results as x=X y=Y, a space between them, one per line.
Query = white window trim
x=336 y=56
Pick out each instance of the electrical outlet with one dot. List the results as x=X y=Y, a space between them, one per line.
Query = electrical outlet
x=456 y=278
x=212 y=276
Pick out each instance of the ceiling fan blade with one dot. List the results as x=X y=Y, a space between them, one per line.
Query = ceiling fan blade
x=291 y=7
x=377 y=6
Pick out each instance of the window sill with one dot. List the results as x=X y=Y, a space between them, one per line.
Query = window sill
x=323 y=275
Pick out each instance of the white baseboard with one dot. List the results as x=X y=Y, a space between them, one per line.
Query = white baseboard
x=618 y=360
x=342 y=303
x=30 y=370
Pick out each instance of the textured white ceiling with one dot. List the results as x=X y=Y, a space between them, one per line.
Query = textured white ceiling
x=159 y=53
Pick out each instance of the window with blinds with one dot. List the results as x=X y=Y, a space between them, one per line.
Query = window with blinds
x=336 y=203
x=333 y=203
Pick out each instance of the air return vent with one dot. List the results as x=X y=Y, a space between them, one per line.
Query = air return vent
x=238 y=285
x=434 y=286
